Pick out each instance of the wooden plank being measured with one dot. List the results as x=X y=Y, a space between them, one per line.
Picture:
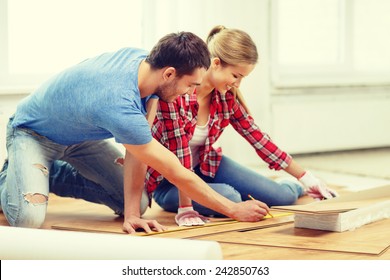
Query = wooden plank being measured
x=196 y=232
x=370 y=239
x=115 y=226
x=111 y=225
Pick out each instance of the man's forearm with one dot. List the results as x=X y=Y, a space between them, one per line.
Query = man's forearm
x=134 y=174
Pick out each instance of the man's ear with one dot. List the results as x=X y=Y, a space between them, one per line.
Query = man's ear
x=169 y=74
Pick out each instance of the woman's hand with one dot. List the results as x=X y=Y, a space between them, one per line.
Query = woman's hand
x=315 y=187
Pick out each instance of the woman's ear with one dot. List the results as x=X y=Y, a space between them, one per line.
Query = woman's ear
x=215 y=62
x=169 y=73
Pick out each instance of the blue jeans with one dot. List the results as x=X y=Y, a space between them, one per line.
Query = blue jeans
x=234 y=182
x=37 y=165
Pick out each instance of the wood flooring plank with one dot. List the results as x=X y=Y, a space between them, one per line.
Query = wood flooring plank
x=227 y=228
x=232 y=251
x=215 y=225
x=370 y=239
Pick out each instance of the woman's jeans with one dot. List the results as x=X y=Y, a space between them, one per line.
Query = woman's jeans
x=234 y=182
x=37 y=166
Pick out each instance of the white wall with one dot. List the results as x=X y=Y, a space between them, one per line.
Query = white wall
x=335 y=119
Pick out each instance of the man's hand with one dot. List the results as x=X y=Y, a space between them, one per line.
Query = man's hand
x=249 y=211
x=315 y=187
x=132 y=223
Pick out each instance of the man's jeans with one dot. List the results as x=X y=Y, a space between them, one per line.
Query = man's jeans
x=37 y=166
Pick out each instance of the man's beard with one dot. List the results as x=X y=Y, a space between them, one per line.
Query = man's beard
x=167 y=92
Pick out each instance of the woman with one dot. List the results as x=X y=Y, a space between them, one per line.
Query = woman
x=193 y=123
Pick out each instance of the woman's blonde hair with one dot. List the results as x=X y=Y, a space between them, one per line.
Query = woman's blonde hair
x=232 y=47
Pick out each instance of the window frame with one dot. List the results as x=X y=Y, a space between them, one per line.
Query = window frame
x=342 y=74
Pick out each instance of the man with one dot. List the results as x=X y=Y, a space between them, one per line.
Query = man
x=57 y=139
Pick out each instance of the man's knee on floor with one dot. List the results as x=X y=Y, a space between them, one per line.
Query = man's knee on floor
x=35 y=198
x=33 y=214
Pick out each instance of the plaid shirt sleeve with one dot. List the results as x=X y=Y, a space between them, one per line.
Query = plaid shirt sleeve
x=168 y=129
x=244 y=124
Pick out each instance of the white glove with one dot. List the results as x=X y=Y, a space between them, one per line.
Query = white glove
x=315 y=187
x=186 y=216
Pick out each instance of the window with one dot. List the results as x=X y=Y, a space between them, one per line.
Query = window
x=332 y=42
x=43 y=37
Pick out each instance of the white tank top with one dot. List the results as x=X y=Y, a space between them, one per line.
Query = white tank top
x=198 y=140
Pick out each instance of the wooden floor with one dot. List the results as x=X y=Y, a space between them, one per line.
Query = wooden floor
x=72 y=214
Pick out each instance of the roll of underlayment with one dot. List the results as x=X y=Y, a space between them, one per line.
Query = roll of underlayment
x=41 y=244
